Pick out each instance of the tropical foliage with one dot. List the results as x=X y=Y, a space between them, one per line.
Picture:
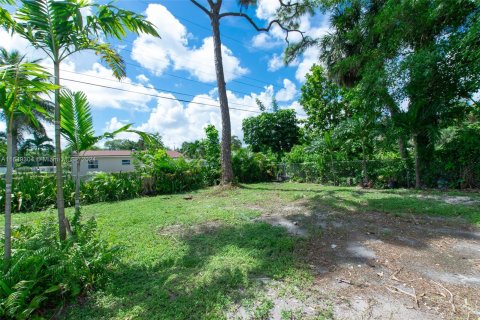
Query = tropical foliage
x=275 y=132
x=21 y=85
x=77 y=129
x=60 y=29
x=413 y=65
x=46 y=273
x=250 y=167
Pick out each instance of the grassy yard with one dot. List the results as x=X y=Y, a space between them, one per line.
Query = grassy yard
x=197 y=258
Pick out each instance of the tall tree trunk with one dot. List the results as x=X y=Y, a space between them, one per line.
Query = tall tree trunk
x=402 y=149
x=8 y=197
x=418 y=182
x=14 y=142
x=77 y=187
x=37 y=160
x=364 y=165
x=226 y=155
x=392 y=108
x=58 y=158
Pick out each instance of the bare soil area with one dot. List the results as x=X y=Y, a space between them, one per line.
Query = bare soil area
x=380 y=266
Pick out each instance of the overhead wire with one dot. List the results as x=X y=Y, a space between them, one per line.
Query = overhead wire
x=156 y=88
x=155 y=95
x=159 y=96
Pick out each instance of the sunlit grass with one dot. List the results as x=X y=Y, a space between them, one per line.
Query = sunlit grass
x=193 y=259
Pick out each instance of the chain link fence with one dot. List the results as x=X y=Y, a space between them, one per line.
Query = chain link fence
x=373 y=173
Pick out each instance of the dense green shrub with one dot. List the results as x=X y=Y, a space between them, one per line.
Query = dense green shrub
x=275 y=132
x=35 y=191
x=174 y=175
x=302 y=165
x=111 y=187
x=251 y=166
x=458 y=157
x=45 y=272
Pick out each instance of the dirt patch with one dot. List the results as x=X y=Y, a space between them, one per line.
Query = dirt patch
x=292 y=225
x=461 y=200
x=378 y=266
x=186 y=231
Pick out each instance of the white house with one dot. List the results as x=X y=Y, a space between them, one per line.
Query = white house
x=108 y=161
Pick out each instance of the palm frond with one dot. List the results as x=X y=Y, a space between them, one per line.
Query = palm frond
x=77 y=121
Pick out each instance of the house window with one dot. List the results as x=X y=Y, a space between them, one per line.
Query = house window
x=92 y=164
x=125 y=162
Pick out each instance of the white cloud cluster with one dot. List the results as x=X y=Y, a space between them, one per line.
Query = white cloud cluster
x=173 y=50
x=266 y=41
x=288 y=92
x=275 y=63
x=266 y=8
x=94 y=83
x=178 y=122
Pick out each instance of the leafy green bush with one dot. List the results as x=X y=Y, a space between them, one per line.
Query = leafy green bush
x=44 y=272
x=458 y=157
x=35 y=191
x=249 y=167
x=111 y=187
x=174 y=175
x=303 y=165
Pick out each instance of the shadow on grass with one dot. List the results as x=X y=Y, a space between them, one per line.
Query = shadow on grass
x=218 y=267
x=399 y=202
x=213 y=269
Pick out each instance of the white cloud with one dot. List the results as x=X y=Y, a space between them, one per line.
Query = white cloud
x=288 y=92
x=15 y=42
x=101 y=97
x=266 y=41
x=178 y=122
x=298 y=109
x=173 y=50
x=142 y=78
x=267 y=8
x=275 y=63
x=309 y=58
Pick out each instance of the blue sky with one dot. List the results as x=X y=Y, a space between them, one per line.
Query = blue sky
x=180 y=66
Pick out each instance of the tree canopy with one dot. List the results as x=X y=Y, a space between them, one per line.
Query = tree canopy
x=275 y=132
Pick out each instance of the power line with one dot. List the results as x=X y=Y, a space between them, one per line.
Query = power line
x=155 y=95
x=159 y=96
x=156 y=88
x=187 y=79
x=209 y=73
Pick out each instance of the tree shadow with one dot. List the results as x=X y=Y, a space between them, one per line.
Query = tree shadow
x=222 y=266
x=214 y=269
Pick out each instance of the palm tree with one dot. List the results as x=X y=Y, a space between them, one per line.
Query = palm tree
x=22 y=124
x=21 y=85
x=77 y=129
x=60 y=29
x=5 y=18
x=39 y=143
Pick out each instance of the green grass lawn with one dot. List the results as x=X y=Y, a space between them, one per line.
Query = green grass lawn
x=192 y=259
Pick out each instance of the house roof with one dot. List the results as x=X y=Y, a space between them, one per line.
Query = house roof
x=174 y=154
x=119 y=153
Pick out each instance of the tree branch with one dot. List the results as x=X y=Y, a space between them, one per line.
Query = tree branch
x=264 y=29
x=195 y=2
x=475 y=102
